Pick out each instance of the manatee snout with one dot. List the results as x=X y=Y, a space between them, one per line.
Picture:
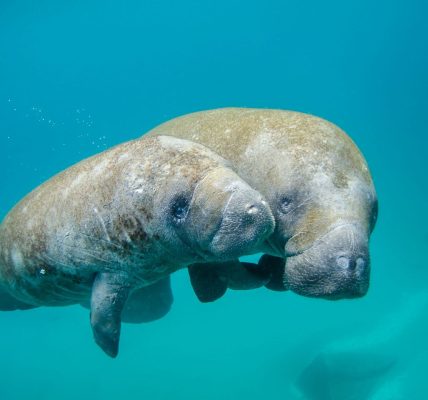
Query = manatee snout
x=228 y=217
x=247 y=221
x=336 y=266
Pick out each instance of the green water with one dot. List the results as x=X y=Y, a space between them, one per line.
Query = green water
x=78 y=77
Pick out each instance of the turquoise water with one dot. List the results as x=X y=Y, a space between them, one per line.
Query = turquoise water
x=78 y=77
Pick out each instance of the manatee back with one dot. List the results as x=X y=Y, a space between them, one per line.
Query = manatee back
x=263 y=137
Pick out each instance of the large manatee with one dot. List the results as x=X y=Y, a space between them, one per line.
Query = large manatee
x=108 y=227
x=318 y=187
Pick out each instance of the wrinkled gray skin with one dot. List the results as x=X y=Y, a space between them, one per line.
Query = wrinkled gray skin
x=101 y=232
x=318 y=187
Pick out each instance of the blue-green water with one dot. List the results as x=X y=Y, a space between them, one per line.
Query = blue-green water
x=78 y=77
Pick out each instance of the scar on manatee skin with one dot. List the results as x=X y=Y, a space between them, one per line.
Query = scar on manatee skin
x=340 y=180
x=133 y=230
x=145 y=213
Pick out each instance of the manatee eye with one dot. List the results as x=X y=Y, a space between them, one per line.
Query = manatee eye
x=179 y=209
x=285 y=204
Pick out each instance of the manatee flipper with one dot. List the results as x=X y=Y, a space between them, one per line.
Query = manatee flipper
x=210 y=281
x=245 y=275
x=108 y=298
x=206 y=281
x=275 y=266
x=149 y=303
x=10 y=303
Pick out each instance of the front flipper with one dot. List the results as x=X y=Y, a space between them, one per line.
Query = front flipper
x=207 y=282
x=245 y=276
x=109 y=295
x=211 y=280
x=149 y=303
x=274 y=266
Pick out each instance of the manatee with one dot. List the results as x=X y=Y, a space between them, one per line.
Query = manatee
x=104 y=230
x=383 y=362
x=318 y=186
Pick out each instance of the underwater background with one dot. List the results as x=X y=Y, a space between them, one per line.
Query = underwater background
x=78 y=77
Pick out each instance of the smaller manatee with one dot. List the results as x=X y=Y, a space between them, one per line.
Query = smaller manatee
x=104 y=230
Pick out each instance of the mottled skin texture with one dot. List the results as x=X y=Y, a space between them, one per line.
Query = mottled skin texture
x=318 y=187
x=113 y=224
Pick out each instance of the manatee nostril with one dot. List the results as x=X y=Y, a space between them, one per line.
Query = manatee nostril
x=351 y=263
x=252 y=209
x=343 y=262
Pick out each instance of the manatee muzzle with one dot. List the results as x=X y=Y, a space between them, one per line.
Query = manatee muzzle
x=247 y=221
x=227 y=218
x=336 y=266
